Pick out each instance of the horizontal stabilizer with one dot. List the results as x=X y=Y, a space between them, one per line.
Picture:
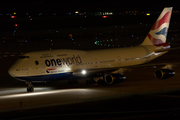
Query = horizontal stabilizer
x=164 y=50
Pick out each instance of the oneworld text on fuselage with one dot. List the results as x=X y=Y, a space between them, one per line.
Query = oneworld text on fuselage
x=64 y=61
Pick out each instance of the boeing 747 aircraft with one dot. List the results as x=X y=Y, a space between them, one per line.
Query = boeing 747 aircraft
x=107 y=66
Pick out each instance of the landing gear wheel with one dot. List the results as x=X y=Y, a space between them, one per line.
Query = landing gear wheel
x=72 y=82
x=31 y=89
x=28 y=90
x=101 y=82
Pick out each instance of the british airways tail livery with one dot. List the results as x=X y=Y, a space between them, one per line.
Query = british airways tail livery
x=106 y=66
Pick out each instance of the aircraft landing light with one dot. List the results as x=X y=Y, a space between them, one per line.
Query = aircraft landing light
x=83 y=72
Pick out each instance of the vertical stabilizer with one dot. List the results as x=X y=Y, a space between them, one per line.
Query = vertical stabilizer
x=158 y=33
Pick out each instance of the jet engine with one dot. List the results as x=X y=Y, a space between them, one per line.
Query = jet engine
x=164 y=73
x=113 y=78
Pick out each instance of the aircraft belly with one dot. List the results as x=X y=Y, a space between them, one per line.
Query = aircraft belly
x=49 y=77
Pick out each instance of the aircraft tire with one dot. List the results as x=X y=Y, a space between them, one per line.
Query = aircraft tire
x=31 y=89
x=28 y=90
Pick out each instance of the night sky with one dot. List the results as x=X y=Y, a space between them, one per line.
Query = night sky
x=87 y=5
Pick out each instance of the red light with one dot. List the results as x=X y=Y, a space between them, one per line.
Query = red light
x=69 y=35
x=104 y=16
x=15 y=25
x=12 y=16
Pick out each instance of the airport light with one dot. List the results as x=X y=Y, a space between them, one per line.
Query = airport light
x=104 y=16
x=12 y=16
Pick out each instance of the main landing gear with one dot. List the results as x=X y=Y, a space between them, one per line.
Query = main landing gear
x=30 y=87
x=72 y=82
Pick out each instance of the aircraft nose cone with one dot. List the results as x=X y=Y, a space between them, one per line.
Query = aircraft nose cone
x=12 y=71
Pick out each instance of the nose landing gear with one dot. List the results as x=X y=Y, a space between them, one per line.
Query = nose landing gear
x=30 y=87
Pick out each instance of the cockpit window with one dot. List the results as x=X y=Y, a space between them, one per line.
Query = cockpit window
x=23 y=57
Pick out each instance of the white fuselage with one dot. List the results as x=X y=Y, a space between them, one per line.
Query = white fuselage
x=57 y=64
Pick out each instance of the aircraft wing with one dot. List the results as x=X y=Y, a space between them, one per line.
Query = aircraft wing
x=121 y=70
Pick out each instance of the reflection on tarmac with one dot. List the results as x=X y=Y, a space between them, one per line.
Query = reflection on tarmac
x=11 y=91
x=14 y=98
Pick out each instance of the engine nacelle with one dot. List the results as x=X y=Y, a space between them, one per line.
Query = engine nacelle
x=164 y=73
x=113 y=78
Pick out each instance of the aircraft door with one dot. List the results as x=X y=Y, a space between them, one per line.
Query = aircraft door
x=39 y=67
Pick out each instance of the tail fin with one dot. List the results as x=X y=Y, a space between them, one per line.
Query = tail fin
x=158 y=33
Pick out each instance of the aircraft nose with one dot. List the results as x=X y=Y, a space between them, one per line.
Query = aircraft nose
x=12 y=71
